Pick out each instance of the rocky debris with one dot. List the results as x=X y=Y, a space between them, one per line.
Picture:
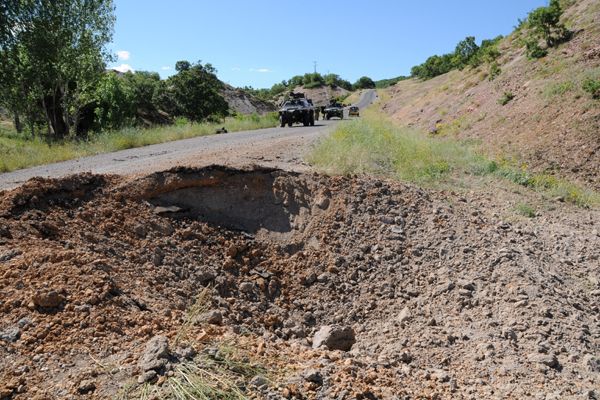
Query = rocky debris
x=463 y=300
x=10 y=334
x=47 y=299
x=86 y=386
x=334 y=337
x=214 y=317
x=156 y=354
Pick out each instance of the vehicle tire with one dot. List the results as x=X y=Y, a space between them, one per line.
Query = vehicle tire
x=328 y=117
x=290 y=123
x=281 y=121
x=312 y=120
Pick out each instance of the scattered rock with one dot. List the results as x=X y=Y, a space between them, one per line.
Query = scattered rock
x=314 y=376
x=10 y=334
x=47 y=299
x=155 y=355
x=86 y=386
x=334 y=337
x=147 y=376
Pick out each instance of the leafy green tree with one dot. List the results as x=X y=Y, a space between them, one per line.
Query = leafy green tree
x=195 y=92
x=53 y=55
x=465 y=51
x=114 y=100
x=545 y=23
x=364 y=82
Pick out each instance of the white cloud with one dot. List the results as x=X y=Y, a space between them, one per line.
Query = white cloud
x=236 y=69
x=165 y=68
x=123 y=54
x=124 y=68
x=261 y=70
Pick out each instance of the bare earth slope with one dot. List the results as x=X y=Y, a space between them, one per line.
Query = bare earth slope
x=551 y=124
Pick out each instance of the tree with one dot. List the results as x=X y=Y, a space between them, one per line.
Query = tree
x=53 y=55
x=364 y=82
x=545 y=23
x=465 y=51
x=195 y=92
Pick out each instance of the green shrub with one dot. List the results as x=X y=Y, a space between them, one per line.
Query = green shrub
x=559 y=89
x=592 y=86
x=525 y=210
x=533 y=50
x=506 y=98
x=495 y=70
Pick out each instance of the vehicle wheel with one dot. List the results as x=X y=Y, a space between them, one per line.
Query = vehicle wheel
x=328 y=117
x=312 y=120
x=290 y=124
x=342 y=116
x=281 y=121
x=306 y=119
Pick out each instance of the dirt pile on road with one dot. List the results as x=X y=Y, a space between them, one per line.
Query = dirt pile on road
x=327 y=287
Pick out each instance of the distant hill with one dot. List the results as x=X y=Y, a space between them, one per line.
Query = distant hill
x=535 y=111
x=242 y=102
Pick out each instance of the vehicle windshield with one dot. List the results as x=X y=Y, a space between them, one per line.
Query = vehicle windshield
x=291 y=103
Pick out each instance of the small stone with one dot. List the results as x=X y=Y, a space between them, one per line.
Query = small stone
x=147 y=376
x=259 y=381
x=49 y=299
x=11 y=334
x=214 y=317
x=314 y=376
x=155 y=355
x=247 y=287
x=86 y=386
x=334 y=337
x=548 y=360
x=404 y=315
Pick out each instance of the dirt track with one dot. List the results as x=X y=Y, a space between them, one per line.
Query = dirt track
x=279 y=147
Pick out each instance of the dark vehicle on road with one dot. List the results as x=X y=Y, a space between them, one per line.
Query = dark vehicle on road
x=297 y=109
x=353 y=111
x=334 y=109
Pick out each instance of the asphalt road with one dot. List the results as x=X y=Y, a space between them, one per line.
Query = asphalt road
x=283 y=144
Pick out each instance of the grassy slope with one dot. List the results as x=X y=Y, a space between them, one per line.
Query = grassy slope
x=552 y=125
x=18 y=152
x=376 y=145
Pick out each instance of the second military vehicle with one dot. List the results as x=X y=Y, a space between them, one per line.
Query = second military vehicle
x=334 y=109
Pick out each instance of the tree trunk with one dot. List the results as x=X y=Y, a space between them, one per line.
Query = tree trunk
x=55 y=115
x=17 y=123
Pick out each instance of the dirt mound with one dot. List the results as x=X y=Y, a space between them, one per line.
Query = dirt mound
x=551 y=124
x=112 y=284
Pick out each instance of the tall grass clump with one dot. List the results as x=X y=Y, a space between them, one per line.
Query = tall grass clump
x=379 y=147
x=376 y=146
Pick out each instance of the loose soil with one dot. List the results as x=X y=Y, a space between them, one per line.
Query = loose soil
x=449 y=295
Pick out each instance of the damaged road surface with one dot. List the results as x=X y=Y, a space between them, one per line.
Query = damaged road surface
x=259 y=283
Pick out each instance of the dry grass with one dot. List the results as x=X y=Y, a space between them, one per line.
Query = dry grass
x=19 y=151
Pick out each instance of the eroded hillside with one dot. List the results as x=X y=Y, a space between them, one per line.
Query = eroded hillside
x=548 y=122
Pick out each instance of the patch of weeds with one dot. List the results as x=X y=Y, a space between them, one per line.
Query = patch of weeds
x=592 y=86
x=506 y=98
x=525 y=210
x=220 y=374
x=559 y=89
x=494 y=71
x=200 y=306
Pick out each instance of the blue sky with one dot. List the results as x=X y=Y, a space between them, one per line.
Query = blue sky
x=262 y=42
